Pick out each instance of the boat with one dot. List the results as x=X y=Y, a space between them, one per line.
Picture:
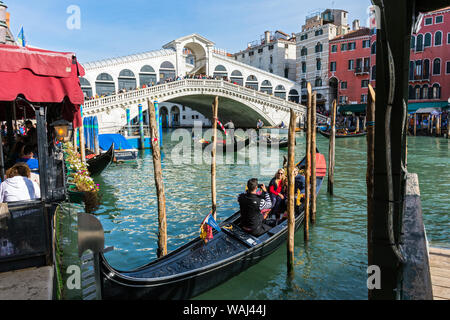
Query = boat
x=123 y=151
x=100 y=162
x=197 y=267
x=340 y=135
x=223 y=147
x=273 y=142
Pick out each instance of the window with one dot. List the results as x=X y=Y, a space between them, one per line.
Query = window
x=439 y=19
x=428 y=21
x=304 y=52
x=352 y=46
x=437 y=66
x=425 y=92
x=343 y=84
x=319 y=32
x=344 y=47
x=184 y=117
x=318 y=82
x=413 y=42
x=271 y=47
x=351 y=64
x=286 y=72
x=333 y=66
x=417 y=92
x=419 y=43
x=436 y=91
x=251 y=53
x=364 y=83
x=260 y=50
x=448 y=38
x=304 y=67
x=427 y=42
x=366 y=43
x=373 y=49
x=304 y=36
x=438 y=38
x=318 y=64
x=426 y=69
x=319 y=47
x=419 y=69
x=243 y=55
x=411 y=70
x=447 y=67
x=363 y=98
x=374 y=73
x=334 y=47
x=271 y=59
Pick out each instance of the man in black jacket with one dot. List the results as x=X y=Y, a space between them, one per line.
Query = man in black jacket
x=252 y=206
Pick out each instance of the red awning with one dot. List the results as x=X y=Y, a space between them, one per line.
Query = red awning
x=41 y=76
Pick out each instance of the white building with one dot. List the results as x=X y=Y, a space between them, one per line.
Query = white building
x=312 y=51
x=274 y=53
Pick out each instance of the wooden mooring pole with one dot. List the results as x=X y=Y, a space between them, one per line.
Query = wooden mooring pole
x=370 y=166
x=81 y=133
x=308 y=164
x=291 y=194
x=313 y=158
x=332 y=150
x=415 y=124
x=162 y=220
x=215 y=108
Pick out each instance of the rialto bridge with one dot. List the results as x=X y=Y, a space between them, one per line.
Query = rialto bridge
x=246 y=93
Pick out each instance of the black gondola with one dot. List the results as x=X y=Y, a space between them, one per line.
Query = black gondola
x=224 y=147
x=274 y=142
x=327 y=134
x=97 y=164
x=197 y=267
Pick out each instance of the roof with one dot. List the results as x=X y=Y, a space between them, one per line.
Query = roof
x=412 y=107
x=362 y=32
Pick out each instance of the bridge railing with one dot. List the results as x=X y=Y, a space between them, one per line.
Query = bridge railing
x=192 y=83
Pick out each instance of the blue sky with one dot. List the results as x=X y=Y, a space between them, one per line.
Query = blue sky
x=120 y=27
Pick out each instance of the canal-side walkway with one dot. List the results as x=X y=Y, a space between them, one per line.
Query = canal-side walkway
x=440 y=273
x=27 y=284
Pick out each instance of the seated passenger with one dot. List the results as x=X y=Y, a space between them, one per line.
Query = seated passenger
x=276 y=192
x=28 y=157
x=252 y=205
x=18 y=186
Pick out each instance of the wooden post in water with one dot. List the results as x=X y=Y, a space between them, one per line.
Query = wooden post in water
x=75 y=140
x=357 y=124
x=370 y=166
x=291 y=194
x=438 y=125
x=81 y=133
x=162 y=220
x=215 y=108
x=415 y=123
x=332 y=149
x=308 y=164
x=313 y=158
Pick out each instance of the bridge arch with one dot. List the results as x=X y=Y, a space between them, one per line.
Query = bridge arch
x=166 y=71
x=266 y=87
x=86 y=87
x=127 y=80
x=104 y=84
x=252 y=82
x=280 y=92
x=220 y=72
x=293 y=96
x=236 y=77
x=147 y=76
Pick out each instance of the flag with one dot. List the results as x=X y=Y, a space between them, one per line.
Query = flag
x=21 y=38
x=206 y=228
x=221 y=126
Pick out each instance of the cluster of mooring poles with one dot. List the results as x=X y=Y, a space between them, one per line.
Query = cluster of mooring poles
x=88 y=135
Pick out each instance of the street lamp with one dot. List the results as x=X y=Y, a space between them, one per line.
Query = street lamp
x=63 y=130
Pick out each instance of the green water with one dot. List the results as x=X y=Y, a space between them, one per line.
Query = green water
x=332 y=265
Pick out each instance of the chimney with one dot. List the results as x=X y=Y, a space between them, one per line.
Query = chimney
x=3 y=25
x=355 y=25
x=267 y=36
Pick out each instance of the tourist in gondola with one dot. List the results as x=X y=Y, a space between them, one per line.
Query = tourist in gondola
x=28 y=157
x=252 y=206
x=18 y=186
x=276 y=192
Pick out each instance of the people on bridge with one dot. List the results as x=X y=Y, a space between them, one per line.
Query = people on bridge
x=254 y=208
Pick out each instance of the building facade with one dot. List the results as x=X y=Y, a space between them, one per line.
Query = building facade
x=274 y=53
x=313 y=52
x=429 y=66
x=350 y=67
x=6 y=36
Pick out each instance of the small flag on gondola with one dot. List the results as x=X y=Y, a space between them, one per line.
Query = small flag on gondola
x=221 y=126
x=206 y=228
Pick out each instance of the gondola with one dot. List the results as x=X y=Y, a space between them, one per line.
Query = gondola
x=339 y=135
x=99 y=163
x=223 y=147
x=197 y=267
x=273 y=142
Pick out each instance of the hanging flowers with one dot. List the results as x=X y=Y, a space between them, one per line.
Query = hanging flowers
x=81 y=179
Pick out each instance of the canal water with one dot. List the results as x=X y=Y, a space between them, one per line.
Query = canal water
x=331 y=266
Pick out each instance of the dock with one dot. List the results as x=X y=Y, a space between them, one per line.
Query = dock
x=440 y=273
x=27 y=284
